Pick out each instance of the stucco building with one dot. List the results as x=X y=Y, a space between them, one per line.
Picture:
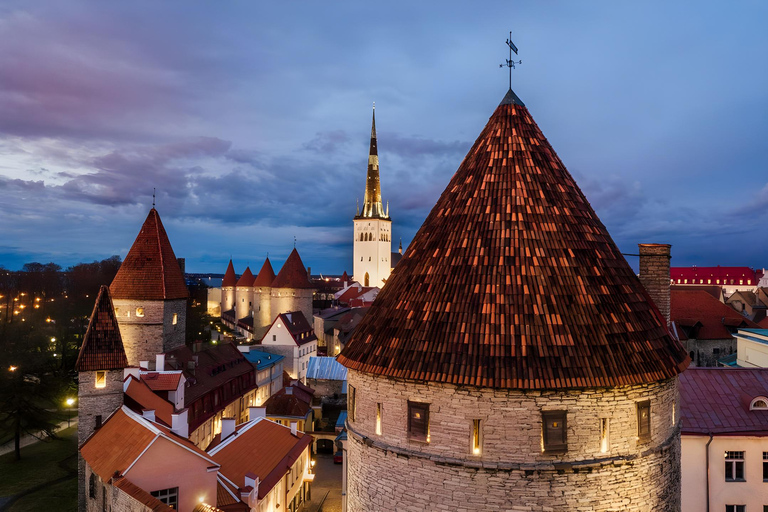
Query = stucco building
x=292 y=336
x=513 y=359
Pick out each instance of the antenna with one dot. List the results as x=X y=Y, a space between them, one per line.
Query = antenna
x=511 y=63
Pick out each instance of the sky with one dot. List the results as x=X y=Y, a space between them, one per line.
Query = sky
x=252 y=121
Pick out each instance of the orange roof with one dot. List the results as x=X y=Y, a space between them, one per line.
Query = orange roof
x=513 y=282
x=246 y=279
x=703 y=317
x=140 y=495
x=102 y=347
x=266 y=275
x=161 y=381
x=150 y=270
x=230 y=279
x=204 y=507
x=263 y=448
x=293 y=274
x=142 y=397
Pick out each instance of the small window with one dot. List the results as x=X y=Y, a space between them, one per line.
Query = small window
x=140 y=312
x=765 y=466
x=101 y=379
x=554 y=431
x=759 y=403
x=175 y=318
x=274 y=337
x=734 y=466
x=605 y=441
x=97 y=422
x=644 y=420
x=378 y=419
x=168 y=496
x=351 y=402
x=418 y=421
x=476 y=437
x=736 y=508
x=92 y=485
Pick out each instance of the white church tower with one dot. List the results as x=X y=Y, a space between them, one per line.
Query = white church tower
x=373 y=233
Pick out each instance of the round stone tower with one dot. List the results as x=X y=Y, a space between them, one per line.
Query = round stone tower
x=262 y=300
x=244 y=293
x=228 y=285
x=291 y=289
x=513 y=359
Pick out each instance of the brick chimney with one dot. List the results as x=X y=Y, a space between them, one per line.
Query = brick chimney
x=654 y=274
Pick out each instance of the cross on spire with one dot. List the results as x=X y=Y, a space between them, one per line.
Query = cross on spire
x=511 y=63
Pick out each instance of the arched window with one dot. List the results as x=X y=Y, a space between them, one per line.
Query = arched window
x=759 y=403
x=367 y=278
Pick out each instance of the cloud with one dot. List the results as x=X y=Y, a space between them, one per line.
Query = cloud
x=327 y=142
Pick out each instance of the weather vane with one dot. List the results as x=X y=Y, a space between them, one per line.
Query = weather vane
x=511 y=63
x=294 y=241
x=153 y=197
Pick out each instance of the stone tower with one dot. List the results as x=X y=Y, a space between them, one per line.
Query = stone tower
x=228 y=284
x=244 y=304
x=513 y=358
x=150 y=295
x=262 y=300
x=100 y=366
x=373 y=227
x=291 y=289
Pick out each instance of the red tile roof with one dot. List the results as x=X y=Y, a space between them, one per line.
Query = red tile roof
x=102 y=347
x=263 y=448
x=293 y=274
x=150 y=270
x=138 y=396
x=140 y=495
x=266 y=275
x=297 y=326
x=763 y=323
x=161 y=381
x=700 y=275
x=230 y=279
x=703 y=317
x=513 y=282
x=714 y=290
x=717 y=400
x=246 y=279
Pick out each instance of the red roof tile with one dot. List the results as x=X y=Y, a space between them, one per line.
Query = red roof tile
x=140 y=495
x=246 y=279
x=102 y=347
x=717 y=400
x=703 y=317
x=293 y=274
x=150 y=270
x=513 y=282
x=161 y=381
x=266 y=275
x=230 y=279
x=264 y=449
x=140 y=397
x=763 y=323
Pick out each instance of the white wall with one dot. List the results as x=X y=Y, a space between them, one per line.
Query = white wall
x=373 y=256
x=751 y=353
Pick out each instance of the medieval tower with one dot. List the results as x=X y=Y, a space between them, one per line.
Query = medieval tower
x=373 y=227
x=100 y=366
x=513 y=358
x=150 y=295
x=228 y=285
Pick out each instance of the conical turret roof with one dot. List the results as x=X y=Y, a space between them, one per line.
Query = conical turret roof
x=293 y=274
x=266 y=275
x=102 y=347
x=513 y=282
x=150 y=270
x=247 y=278
x=230 y=278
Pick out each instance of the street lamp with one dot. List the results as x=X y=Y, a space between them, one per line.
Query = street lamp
x=70 y=402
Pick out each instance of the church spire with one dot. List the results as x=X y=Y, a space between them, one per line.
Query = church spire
x=372 y=206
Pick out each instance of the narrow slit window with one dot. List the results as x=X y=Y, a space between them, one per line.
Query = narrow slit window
x=351 y=402
x=175 y=318
x=644 y=420
x=378 y=419
x=476 y=439
x=554 y=431
x=605 y=441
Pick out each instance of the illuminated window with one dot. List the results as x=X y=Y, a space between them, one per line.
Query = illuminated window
x=554 y=431
x=418 y=421
x=378 y=419
x=734 y=466
x=759 y=404
x=605 y=441
x=717 y=281
x=175 y=318
x=101 y=379
x=644 y=420
x=140 y=312
x=685 y=281
x=741 y=281
x=476 y=433
x=351 y=402
x=709 y=281
x=168 y=496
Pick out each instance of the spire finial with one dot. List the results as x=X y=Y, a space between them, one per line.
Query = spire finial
x=357 y=202
x=153 y=197
x=511 y=63
x=294 y=241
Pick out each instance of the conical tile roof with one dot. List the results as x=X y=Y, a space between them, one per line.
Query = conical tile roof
x=230 y=278
x=102 y=347
x=513 y=282
x=293 y=274
x=150 y=270
x=247 y=278
x=266 y=275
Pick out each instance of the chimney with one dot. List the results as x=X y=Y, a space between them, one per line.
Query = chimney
x=180 y=424
x=256 y=412
x=309 y=273
x=160 y=362
x=654 y=274
x=131 y=370
x=294 y=428
x=148 y=414
x=227 y=427
x=144 y=364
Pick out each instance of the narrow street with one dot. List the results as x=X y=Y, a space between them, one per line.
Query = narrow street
x=327 y=482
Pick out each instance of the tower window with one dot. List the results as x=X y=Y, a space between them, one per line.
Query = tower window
x=734 y=466
x=175 y=318
x=378 y=419
x=351 y=402
x=476 y=432
x=101 y=379
x=644 y=420
x=140 y=312
x=418 y=421
x=605 y=441
x=554 y=431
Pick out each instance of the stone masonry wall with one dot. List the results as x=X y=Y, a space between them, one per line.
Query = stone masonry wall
x=154 y=333
x=391 y=472
x=285 y=300
x=262 y=310
x=654 y=274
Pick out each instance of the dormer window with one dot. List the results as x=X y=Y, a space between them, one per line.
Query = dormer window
x=759 y=403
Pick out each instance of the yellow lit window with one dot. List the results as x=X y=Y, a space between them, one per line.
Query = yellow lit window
x=175 y=318
x=378 y=419
x=101 y=379
x=475 y=437
x=604 y=435
x=140 y=312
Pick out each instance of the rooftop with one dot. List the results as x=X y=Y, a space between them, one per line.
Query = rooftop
x=293 y=274
x=325 y=368
x=297 y=326
x=262 y=359
x=700 y=316
x=266 y=275
x=230 y=278
x=246 y=279
x=102 y=347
